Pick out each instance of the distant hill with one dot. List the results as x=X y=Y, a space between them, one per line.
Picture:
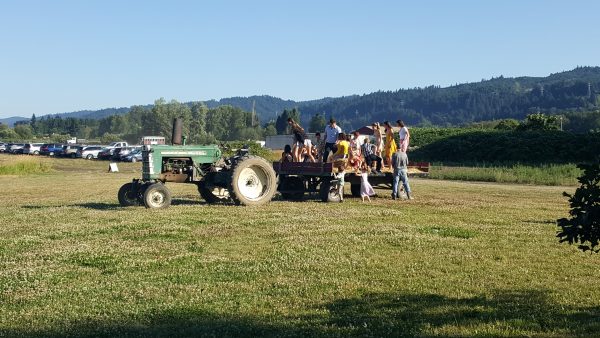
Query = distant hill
x=10 y=121
x=497 y=98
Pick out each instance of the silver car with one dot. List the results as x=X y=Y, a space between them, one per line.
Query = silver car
x=32 y=148
x=88 y=152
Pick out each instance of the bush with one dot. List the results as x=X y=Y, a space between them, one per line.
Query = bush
x=255 y=149
x=584 y=225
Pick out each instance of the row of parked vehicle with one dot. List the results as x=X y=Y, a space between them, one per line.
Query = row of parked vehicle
x=116 y=151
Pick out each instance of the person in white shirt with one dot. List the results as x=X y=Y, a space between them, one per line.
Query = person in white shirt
x=331 y=135
x=404 y=136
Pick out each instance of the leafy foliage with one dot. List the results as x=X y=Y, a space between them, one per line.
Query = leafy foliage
x=317 y=123
x=539 y=121
x=463 y=145
x=584 y=225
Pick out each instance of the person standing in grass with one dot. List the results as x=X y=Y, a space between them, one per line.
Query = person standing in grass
x=400 y=166
x=340 y=160
x=366 y=189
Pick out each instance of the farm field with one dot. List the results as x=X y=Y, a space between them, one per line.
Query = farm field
x=462 y=259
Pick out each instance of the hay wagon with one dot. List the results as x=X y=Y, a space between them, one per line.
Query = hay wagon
x=296 y=179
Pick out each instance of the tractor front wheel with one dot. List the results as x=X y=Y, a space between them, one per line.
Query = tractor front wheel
x=157 y=196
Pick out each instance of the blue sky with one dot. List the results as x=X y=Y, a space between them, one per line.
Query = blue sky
x=61 y=56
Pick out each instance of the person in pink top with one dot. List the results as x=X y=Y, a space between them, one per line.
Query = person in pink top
x=404 y=136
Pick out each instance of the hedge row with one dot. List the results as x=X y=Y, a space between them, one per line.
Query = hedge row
x=494 y=146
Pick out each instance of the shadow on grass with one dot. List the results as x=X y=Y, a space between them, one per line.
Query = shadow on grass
x=519 y=313
x=117 y=206
x=98 y=206
x=539 y=221
x=180 y=201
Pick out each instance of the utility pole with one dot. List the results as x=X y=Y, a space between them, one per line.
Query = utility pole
x=561 y=129
x=254 y=119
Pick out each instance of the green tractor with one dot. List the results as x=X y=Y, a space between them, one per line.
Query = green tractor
x=241 y=179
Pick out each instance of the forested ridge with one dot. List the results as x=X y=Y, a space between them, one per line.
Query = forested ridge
x=574 y=95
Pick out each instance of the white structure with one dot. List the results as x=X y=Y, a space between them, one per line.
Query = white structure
x=278 y=142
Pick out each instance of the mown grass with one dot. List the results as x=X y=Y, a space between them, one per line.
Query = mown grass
x=553 y=174
x=24 y=165
x=462 y=259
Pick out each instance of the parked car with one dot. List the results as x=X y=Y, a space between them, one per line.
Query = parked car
x=70 y=150
x=134 y=156
x=51 y=149
x=106 y=153
x=32 y=148
x=16 y=148
x=2 y=147
x=120 y=154
x=89 y=152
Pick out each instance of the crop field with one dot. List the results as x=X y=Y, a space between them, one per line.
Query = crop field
x=462 y=259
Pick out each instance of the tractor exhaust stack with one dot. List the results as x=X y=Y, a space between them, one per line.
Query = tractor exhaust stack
x=176 y=137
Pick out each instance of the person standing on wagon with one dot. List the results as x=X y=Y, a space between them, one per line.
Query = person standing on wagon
x=331 y=137
x=390 y=144
x=303 y=143
x=404 y=136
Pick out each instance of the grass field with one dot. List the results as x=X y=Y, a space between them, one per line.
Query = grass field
x=462 y=259
x=552 y=174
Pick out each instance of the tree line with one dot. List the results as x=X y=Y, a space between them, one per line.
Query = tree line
x=202 y=125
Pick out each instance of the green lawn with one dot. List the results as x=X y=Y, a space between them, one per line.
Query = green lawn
x=462 y=259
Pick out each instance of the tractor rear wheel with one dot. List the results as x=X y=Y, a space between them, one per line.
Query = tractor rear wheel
x=212 y=194
x=129 y=195
x=157 y=196
x=253 y=181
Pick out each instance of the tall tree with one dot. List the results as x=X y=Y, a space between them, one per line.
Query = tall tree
x=317 y=123
x=198 y=123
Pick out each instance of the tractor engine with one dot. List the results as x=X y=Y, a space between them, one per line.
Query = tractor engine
x=178 y=170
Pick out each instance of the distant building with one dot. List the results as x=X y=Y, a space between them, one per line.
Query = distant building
x=148 y=140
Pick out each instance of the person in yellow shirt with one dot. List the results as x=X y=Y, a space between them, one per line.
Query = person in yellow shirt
x=342 y=147
x=390 y=144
